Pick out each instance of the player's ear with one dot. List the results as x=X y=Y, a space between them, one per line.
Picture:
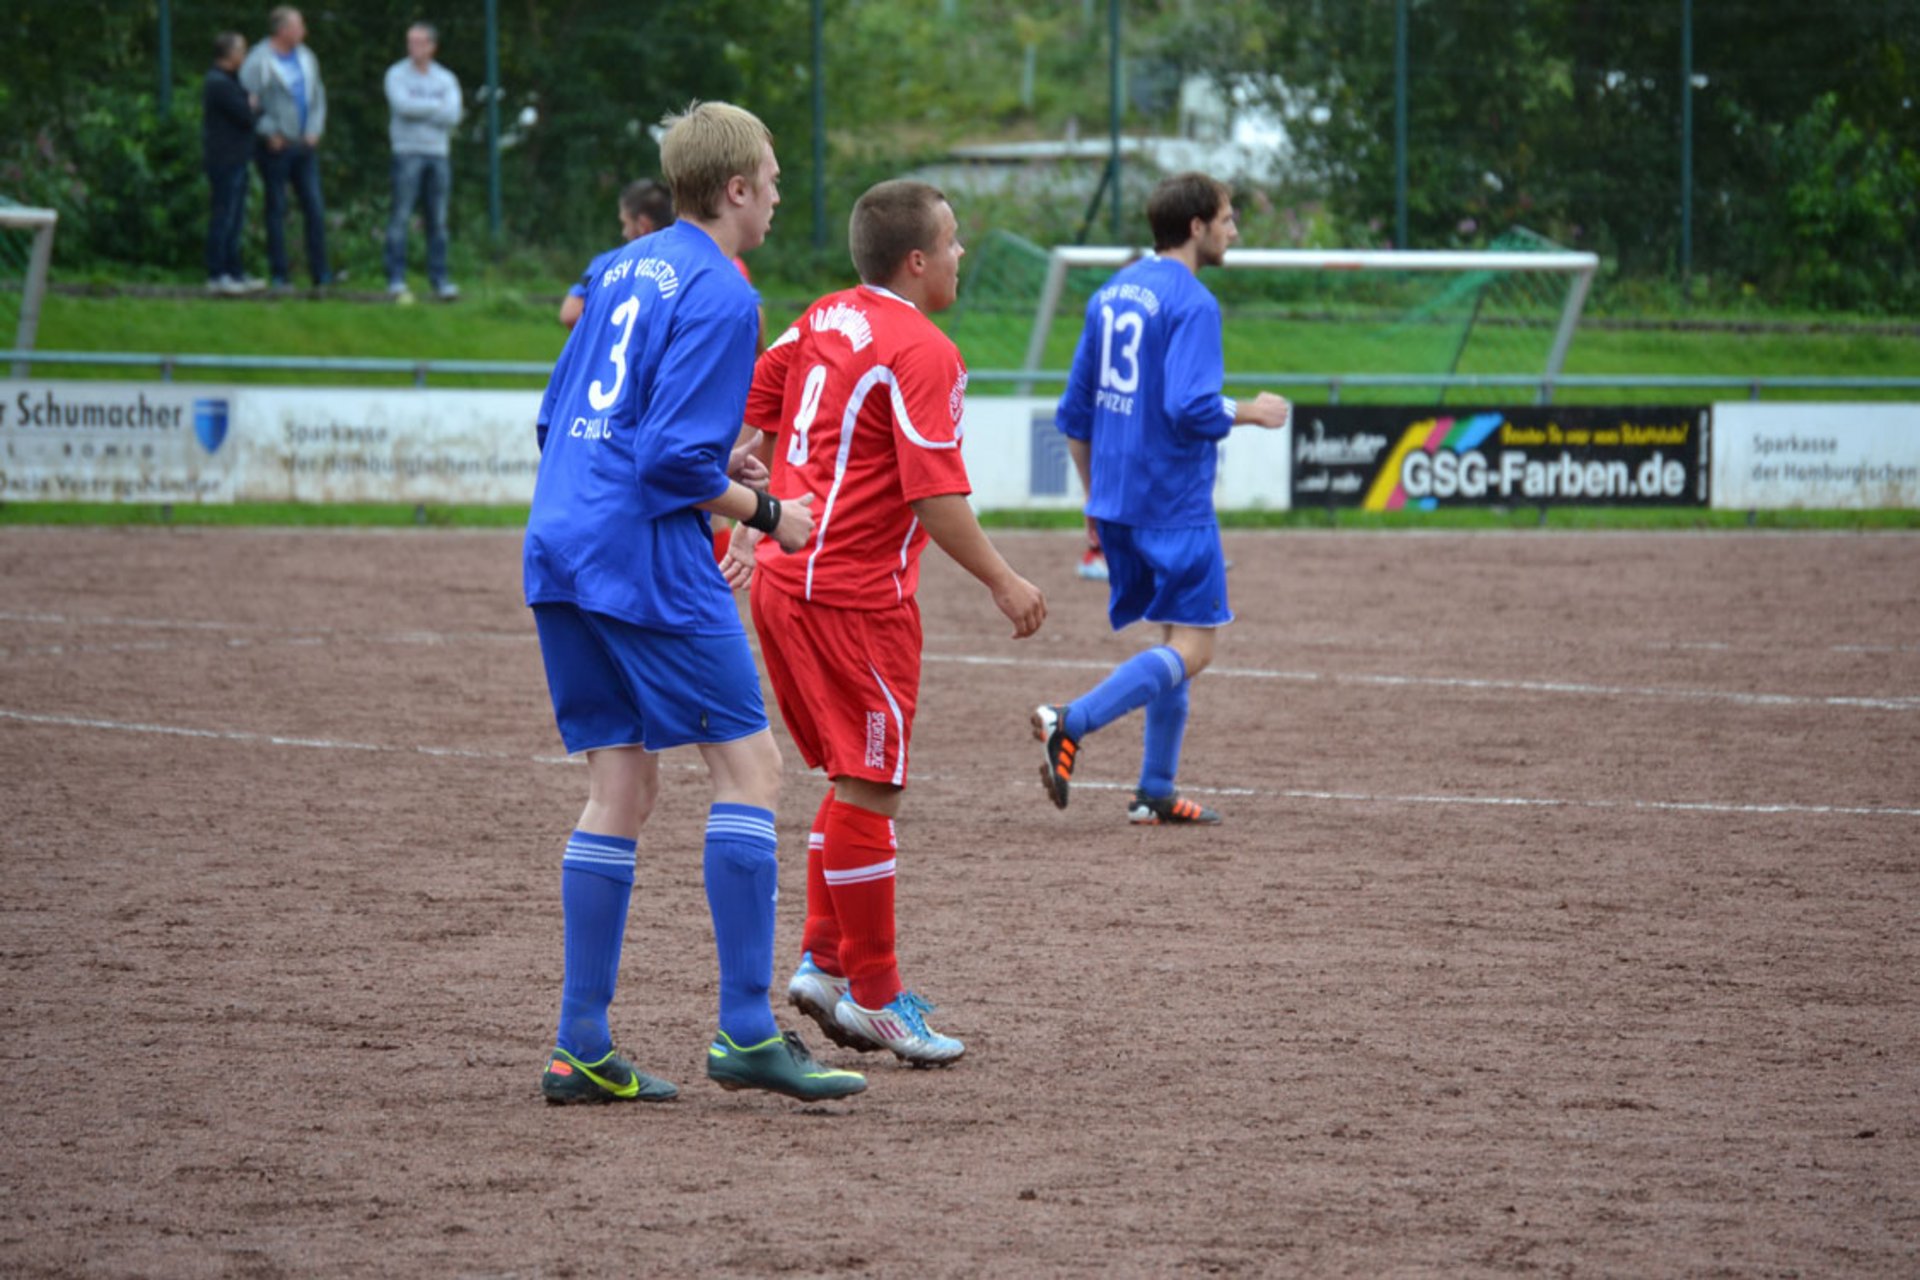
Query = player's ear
x=917 y=261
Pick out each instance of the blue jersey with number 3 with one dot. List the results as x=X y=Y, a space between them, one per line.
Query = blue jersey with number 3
x=1145 y=392
x=639 y=418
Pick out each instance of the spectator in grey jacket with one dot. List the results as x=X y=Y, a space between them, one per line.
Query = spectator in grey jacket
x=284 y=76
x=425 y=98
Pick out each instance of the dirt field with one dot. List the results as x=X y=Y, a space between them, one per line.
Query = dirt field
x=1566 y=920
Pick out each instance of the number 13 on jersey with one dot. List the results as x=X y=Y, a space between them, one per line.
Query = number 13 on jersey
x=1129 y=328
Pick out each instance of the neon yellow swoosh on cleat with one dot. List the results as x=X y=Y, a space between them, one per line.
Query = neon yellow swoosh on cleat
x=631 y=1089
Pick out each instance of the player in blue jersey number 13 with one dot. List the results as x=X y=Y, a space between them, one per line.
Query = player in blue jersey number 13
x=1143 y=415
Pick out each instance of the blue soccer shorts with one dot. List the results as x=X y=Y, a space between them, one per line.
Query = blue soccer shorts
x=615 y=684
x=1176 y=577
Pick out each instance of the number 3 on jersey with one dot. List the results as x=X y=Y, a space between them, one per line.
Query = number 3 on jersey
x=602 y=398
x=1131 y=329
x=803 y=416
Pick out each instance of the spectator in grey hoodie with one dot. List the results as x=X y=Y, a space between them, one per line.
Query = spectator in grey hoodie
x=284 y=77
x=425 y=98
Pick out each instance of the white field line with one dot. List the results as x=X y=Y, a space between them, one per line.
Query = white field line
x=429 y=637
x=1329 y=797
x=316 y=635
x=1892 y=703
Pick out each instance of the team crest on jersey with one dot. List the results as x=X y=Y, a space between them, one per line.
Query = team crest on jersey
x=957 y=398
x=847 y=321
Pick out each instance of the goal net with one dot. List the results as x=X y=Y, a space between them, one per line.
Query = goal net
x=26 y=251
x=1299 y=315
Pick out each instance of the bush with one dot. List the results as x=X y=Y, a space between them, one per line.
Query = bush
x=126 y=180
x=1831 y=225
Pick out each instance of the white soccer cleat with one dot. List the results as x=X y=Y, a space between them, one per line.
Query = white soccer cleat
x=816 y=993
x=901 y=1026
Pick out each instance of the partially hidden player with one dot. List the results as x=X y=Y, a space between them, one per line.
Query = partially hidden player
x=644 y=207
x=1143 y=415
x=860 y=401
x=644 y=649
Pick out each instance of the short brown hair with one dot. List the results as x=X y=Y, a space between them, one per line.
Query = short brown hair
x=707 y=146
x=650 y=200
x=889 y=222
x=1177 y=201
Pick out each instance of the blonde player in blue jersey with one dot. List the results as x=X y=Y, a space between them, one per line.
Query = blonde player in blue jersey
x=1144 y=415
x=643 y=646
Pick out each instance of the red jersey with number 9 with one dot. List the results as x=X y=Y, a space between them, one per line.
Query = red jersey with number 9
x=865 y=394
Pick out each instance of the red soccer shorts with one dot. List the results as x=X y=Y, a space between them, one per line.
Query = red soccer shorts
x=846 y=680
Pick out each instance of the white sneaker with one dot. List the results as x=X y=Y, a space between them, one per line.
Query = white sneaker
x=398 y=292
x=252 y=284
x=446 y=291
x=225 y=285
x=902 y=1027
x=815 y=992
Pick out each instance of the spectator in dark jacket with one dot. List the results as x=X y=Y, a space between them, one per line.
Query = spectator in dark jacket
x=226 y=144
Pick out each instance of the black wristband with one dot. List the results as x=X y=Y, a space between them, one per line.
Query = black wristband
x=766 y=518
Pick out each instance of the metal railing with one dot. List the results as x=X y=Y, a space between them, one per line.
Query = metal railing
x=422 y=371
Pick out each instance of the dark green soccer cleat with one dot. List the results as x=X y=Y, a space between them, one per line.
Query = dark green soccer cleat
x=612 y=1079
x=779 y=1065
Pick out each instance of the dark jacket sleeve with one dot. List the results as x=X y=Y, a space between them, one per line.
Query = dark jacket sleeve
x=225 y=98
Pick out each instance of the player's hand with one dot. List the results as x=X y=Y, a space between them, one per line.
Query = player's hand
x=796 y=522
x=736 y=566
x=276 y=142
x=1023 y=604
x=1268 y=410
x=745 y=466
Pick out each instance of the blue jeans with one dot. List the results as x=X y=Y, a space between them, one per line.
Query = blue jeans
x=226 y=216
x=298 y=164
x=419 y=180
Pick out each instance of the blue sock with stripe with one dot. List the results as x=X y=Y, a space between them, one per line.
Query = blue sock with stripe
x=1166 y=728
x=1133 y=684
x=743 y=882
x=596 y=882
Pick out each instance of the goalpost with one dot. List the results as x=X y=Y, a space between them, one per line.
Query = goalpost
x=23 y=270
x=1511 y=309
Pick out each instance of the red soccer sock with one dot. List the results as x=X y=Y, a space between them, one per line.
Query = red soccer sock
x=822 y=935
x=859 y=873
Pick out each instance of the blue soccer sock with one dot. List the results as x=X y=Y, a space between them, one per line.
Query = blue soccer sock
x=1166 y=727
x=1133 y=684
x=596 y=882
x=743 y=880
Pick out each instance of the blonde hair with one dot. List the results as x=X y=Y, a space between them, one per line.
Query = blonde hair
x=705 y=147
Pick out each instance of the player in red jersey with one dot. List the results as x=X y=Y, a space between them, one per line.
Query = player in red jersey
x=860 y=404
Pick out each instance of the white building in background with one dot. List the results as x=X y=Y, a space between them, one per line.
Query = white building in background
x=1232 y=130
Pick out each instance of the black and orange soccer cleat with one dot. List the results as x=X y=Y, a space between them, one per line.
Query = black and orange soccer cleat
x=1057 y=773
x=1174 y=811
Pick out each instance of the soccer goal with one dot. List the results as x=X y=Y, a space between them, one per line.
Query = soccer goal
x=1511 y=309
x=26 y=251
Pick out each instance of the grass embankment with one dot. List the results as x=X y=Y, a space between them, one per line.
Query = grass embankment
x=511 y=325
